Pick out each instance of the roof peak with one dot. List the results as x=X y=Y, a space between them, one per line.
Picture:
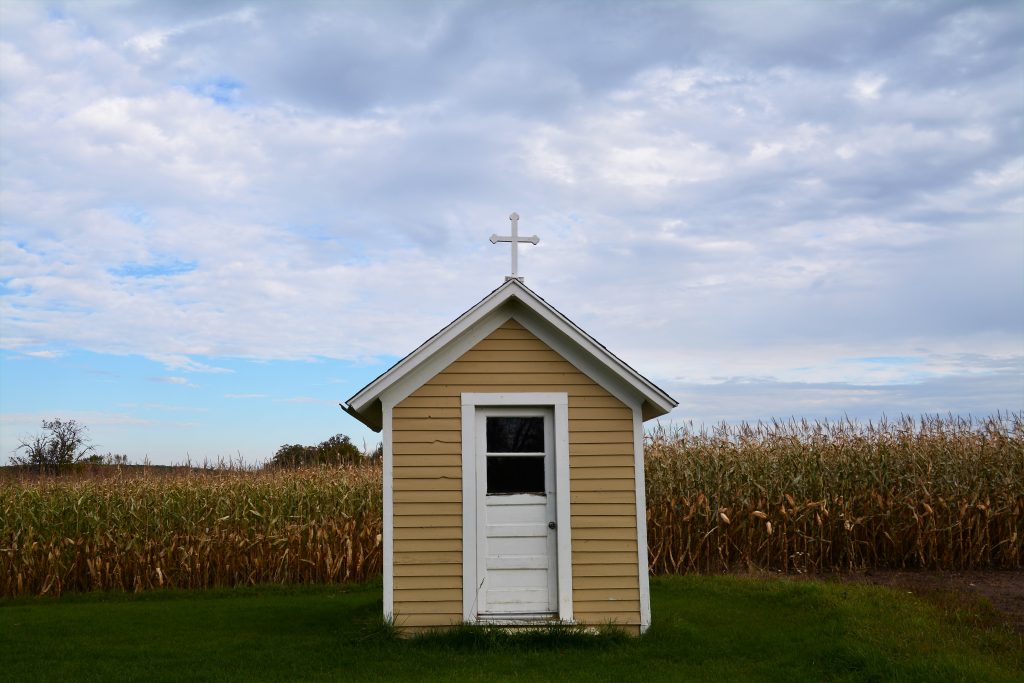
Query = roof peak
x=366 y=404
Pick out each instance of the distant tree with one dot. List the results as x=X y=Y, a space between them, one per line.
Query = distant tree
x=336 y=450
x=108 y=459
x=62 y=443
x=339 y=449
x=292 y=455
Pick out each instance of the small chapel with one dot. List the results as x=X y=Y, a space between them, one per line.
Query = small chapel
x=513 y=468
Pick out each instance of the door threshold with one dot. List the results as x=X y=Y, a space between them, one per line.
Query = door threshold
x=520 y=619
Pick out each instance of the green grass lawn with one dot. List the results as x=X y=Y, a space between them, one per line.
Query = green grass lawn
x=705 y=628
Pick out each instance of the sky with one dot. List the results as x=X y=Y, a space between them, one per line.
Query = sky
x=218 y=220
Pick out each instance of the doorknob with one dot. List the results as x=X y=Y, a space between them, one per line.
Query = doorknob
x=552 y=525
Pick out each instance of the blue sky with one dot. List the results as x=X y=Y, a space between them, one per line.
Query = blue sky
x=219 y=219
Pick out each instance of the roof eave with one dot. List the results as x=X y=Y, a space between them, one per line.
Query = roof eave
x=365 y=405
x=372 y=391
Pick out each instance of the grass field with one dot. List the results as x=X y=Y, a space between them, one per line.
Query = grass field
x=705 y=628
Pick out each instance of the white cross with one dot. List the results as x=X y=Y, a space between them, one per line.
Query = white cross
x=515 y=239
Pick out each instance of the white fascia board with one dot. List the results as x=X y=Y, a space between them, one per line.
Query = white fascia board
x=640 y=384
x=372 y=391
x=583 y=360
x=423 y=363
x=418 y=375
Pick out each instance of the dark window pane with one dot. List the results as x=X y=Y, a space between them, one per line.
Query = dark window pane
x=515 y=474
x=515 y=434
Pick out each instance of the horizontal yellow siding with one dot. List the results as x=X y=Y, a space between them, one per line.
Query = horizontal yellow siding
x=427 y=469
x=416 y=620
x=619 y=569
x=428 y=545
x=428 y=425
x=592 y=485
x=426 y=571
x=411 y=557
x=581 y=583
x=419 y=521
x=432 y=472
x=423 y=496
x=404 y=533
x=628 y=496
x=404 y=583
x=448 y=596
x=423 y=605
x=454 y=389
x=427 y=510
x=599 y=533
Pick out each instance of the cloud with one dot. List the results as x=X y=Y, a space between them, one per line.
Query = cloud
x=89 y=418
x=720 y=189
x=44 y=355
x=867 y=86
x=179 y=381
x=755 y=399
x=162 y=407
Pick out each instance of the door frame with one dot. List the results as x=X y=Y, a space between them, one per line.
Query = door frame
x=471 y=579
x=550 y=501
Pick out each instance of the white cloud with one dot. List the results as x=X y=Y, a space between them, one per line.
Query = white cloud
x=868 y=86
x=90 y=418
x=150 y=44
x=179 y=381
x=709 y=199
x=45 y=355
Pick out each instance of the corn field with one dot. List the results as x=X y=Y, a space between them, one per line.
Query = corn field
x=190 y=530
x=938 y=493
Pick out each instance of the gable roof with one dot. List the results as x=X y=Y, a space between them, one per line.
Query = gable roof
x=513 y=299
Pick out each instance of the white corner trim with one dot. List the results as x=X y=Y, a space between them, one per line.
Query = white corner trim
x=470 y=584
x=388 y=534
x=471 y=524
x=639 y=477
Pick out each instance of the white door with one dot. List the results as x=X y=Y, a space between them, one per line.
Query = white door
x=517 y=536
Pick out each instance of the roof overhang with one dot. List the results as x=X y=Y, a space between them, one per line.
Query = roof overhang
x=513 y=299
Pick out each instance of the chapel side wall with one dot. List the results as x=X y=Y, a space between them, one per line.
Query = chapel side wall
x=427 y=471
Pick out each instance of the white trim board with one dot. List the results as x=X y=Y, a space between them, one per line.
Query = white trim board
x=505 y=301
x=388 y=533
x=422 y=373
x=584 y=362
x=639 y=477
x=471 y=580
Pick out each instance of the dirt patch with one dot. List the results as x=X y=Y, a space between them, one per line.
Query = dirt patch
x=1004 y=589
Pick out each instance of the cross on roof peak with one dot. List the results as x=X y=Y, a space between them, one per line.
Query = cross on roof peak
x=515 y=239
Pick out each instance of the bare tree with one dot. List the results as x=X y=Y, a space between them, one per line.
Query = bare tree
x=62 y=443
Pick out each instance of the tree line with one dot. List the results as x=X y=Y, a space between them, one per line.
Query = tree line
x=64 y=444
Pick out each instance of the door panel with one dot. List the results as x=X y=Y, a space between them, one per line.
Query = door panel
x=518 y=547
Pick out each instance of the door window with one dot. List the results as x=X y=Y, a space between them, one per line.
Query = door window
x=524 y=471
